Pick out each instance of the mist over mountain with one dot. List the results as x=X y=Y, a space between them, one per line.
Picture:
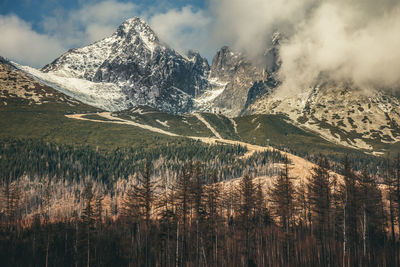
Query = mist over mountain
x=133 y=67
x=355 y=41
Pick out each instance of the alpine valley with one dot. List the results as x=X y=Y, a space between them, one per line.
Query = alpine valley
x=126 y=152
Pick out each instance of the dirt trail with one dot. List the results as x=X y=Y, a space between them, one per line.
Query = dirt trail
x=116 y=120
x=208 y=125
x=300 y=167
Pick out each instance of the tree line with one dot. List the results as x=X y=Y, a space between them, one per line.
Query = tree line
x=352 y=219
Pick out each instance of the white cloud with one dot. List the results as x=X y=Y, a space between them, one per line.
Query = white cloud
x=20 y=43
x=354 y=40
x=184 y=29
x=62 y=31
x=347 y=41
x=248 y=25
x=89 y=23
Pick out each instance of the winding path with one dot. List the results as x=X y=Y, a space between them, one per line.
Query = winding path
x=300 y=167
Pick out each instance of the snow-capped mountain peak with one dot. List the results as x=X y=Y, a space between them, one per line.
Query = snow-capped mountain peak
x=136 y=27
x=134 y=60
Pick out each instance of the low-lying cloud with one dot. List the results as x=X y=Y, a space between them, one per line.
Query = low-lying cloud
x=184 y=29
x=19 y=42
x=248 y=25
x=354 y=41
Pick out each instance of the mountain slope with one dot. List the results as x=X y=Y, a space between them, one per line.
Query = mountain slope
x=340 y=113
x=32 y=110
x=17 y=88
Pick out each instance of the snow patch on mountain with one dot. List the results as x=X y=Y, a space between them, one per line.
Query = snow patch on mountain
x=340 y=113
x=204 y=102
x=106 y=96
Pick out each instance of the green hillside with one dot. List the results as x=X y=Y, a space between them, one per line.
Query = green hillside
x=277 y=131
x=187 y=125
x=48 y=123
x=222 y=124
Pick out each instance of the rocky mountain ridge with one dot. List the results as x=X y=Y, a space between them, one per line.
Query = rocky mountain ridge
x=138 y=66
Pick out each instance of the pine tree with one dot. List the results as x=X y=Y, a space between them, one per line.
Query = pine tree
x=197 y=186
x=130 y=209
x=372 y=219
x=304 y=205
x=198 y=199
x=390 y=182
x=182 y=199
x=145 y=192
x=212 y=193
x=397 y=190
x=282 y=199
x=46 y=215
x=167 y=220
x=98 y=209
x=261 y=211
x=351 y=208
x=87 y=218
x=247 y=191
x=338 y=207
x=319 y=194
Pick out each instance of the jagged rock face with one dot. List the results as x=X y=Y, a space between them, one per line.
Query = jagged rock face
x=224 y=64
x=272 y=58
x=239 y=74
x=147 y=71
x=338 y=111
x=200 y=71
x=245 y=82
x=259 y=90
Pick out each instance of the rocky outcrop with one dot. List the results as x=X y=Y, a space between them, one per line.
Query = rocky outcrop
x=239 y=74
x=246 y=82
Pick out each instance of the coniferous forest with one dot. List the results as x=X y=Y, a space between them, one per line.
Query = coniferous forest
x=181 y=206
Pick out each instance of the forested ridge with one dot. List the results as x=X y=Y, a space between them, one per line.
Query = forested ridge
x=190 y=214
x=36 y=158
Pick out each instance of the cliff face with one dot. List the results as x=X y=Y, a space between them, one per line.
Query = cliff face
x=239 y=74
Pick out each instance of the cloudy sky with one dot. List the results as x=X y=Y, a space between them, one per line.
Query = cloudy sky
x=355 y=40
x=34 y=32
